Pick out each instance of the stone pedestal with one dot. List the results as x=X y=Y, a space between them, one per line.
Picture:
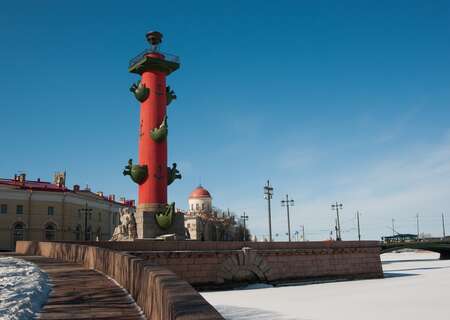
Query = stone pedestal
x=147 y=227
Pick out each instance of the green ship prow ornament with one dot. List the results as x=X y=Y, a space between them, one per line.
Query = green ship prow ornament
x=165 y=219
x=137 y=172
x=160 y=134
x=140 y=91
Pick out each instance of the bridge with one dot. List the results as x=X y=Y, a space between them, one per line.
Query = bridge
x=439 y=246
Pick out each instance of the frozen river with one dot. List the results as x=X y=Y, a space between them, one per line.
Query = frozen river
x=415 y=287
x=23 y=289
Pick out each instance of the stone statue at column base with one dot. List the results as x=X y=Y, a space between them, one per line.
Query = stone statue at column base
x=126 y=230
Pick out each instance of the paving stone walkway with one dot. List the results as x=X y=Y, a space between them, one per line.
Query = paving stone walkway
x=79 y=293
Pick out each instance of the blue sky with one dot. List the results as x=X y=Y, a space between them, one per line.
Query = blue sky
x=331 y=100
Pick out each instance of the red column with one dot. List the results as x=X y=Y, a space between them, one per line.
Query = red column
x=151 y=153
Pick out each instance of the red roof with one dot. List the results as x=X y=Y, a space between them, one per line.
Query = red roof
x=200 y=192
x=33 y=185
x=48 y=186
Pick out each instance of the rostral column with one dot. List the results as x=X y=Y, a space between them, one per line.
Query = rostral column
x=154 y=215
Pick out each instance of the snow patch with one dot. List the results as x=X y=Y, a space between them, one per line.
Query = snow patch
x=24 y=288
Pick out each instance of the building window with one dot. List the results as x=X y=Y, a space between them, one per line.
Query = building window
x=4 y=209
x=203 y=206
x=50 y=211
x=19 y=232
x=192 y=206
x=19 y=209
x=197 y=206
x=50 y=232
x=90 y=215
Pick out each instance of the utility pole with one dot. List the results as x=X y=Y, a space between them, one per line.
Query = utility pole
x=336 y=207
x=244 y=218
x=288 y=203
x=443 y=226
x=417 y=220
x=268 y=193
x=359 y=229
x=86 y=211
x=393 y=229
x=303 y=232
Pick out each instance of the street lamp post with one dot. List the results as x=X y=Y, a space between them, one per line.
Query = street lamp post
x=336 y=207
x=418 y=230
x=288 y=203
x=244 y=217
x=268 y=193
x=393 y=228
x=359 y=229
x=443 y=226
x=86 y=210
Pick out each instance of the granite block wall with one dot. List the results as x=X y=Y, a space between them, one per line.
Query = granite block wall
x=157 y=290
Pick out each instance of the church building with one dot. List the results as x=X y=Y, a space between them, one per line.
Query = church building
x=204 y=222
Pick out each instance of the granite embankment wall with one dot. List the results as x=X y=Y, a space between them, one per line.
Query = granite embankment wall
x=157 y=290
x=215 y=264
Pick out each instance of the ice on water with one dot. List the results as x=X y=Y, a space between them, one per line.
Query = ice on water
x=415 y=287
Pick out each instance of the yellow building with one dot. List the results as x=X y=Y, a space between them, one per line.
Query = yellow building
x=37 y=210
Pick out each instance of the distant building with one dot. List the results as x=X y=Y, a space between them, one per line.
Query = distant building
x=204 y=222
x=38 y=210
x=401 y=237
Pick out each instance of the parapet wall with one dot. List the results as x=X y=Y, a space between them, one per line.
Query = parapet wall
x=158 y=291
x=215 y=264
x=215 y=268
x=268 y=262
x=192 y=245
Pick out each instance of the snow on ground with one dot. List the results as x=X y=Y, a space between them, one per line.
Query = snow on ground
x=415 y=287
x=23 y=289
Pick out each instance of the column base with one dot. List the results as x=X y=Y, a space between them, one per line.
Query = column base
x=148 y=228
